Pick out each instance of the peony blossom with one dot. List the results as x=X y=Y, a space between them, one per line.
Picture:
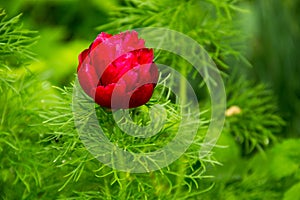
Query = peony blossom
x=118 y=71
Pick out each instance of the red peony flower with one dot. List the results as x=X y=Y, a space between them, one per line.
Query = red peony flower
x=118 y=71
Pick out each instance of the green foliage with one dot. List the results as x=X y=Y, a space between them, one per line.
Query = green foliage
x=293 y=192
x=210 y=22
x=180 y=180
x=274 y=53
x=22 y=98
x=21 y=165
x=77 y=18
x=14 y=41
x=57 y=62
x=273 y=174
x=258 y=120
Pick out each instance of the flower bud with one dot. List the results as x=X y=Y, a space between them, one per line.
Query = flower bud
x=119 y=67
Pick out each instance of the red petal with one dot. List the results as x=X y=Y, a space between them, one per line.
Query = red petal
x=154 y=73
x=108 y=75
x=88 y=79
x=145 y=56
x=100 y=38
x=82 y=56
x=131 y=41
x=131 y=80
x=141 y=95
x=103 y=96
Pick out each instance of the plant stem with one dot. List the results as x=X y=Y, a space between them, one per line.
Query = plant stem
x=182 y=91
x=183 y=101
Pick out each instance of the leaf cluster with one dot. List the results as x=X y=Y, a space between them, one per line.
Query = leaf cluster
x=270 y=174
x=210 y=22
x=182 y=179
x=14 y=41
x=258 y=120
x=22 y=166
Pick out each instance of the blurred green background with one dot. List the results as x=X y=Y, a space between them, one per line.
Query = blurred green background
x=272 y=36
